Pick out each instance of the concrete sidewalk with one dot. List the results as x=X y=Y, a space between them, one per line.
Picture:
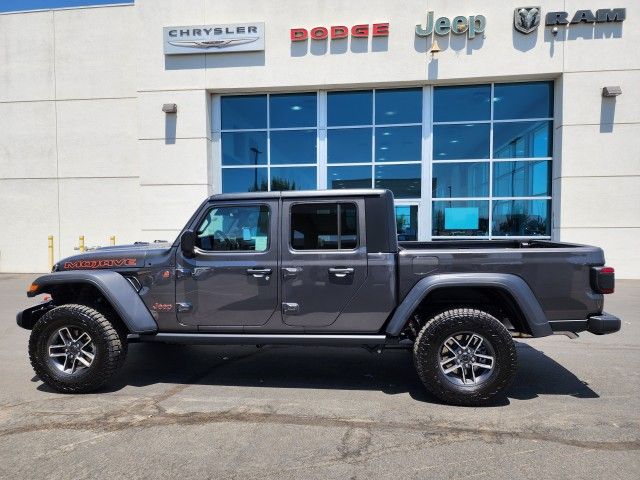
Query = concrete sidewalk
x=292 y=412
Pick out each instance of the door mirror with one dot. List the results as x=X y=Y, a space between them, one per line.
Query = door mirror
x=188 y=243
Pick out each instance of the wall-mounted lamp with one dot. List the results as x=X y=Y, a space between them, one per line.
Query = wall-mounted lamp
x=435 y=48
x=554 y=31
x=169 y=108
x=611 y=91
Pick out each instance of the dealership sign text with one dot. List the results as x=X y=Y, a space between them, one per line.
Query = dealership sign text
x=472 y=25
x=340 y=31
x=237 y=37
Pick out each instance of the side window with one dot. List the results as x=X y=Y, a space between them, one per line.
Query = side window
x=324 y=226
x=239 y=228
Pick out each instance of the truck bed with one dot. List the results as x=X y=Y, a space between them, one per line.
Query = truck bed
x=558 y=273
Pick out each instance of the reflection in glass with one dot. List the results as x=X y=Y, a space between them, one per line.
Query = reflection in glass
x=293 y=178
x=522 y=139
x=468 y=179
x=236 y=180
x=397 y=144
x=407 y=222
x=349 y=108
x=349 y=145
x=462 y=103
x=402 y=180
x=399 y=105
x=293 y=146
x=522 y=179
x=292 y=110
x=244 y=148
x=244 y=111
x=459 y=142
x=522 y=100
x=349 y=177
x=348 y=226
x=521 y=217
x=462 y=217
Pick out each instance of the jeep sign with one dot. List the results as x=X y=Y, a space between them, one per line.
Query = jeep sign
x=237 y=37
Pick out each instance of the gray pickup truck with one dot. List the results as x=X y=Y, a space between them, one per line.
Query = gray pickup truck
x=317 y=268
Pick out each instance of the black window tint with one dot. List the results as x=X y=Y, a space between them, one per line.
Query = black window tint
x=315 y=226
x=348 y=226
x=244 y=228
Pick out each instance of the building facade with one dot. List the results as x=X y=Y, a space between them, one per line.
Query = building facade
x=486 y=119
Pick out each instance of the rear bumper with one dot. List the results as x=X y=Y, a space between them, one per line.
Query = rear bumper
x=597 y=324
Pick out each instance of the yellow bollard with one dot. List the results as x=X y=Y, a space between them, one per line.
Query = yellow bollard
x=112 y=240
x=81 y=244
x=50 y=249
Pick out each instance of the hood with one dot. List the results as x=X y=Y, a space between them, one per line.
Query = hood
x=118 y=257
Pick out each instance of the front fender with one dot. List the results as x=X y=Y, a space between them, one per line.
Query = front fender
x=113 y=286
x=512 y=284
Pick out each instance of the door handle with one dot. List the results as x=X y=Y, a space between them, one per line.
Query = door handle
x=341 y=272
x=290 y=272
x=259 y=272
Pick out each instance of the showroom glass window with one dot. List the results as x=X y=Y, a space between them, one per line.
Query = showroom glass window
x=487 y=150
x=374 y=140
x=269 y=142
x=491 y=160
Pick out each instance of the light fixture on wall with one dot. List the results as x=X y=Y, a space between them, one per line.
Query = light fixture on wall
x=435 y=48
x=613 y=91
x=169 y=108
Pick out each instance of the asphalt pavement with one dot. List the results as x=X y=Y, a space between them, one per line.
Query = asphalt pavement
x=314 y=412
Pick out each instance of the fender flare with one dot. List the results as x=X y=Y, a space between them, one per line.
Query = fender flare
x=115 y=288
x=512 y=284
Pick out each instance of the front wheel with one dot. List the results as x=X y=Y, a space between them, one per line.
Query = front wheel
x=76 y=349
x=465 y=357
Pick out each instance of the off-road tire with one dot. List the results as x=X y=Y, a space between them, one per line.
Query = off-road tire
x=110 y=348
x=429 y=342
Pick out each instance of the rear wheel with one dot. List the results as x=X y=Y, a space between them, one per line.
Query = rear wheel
x=76 y=349
x=465 y=356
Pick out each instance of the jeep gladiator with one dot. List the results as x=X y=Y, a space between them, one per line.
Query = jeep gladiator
x=317 y=268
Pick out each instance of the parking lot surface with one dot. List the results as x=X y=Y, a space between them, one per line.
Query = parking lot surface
x=311 y=412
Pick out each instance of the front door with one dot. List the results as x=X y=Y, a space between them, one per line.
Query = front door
x=324 y=260
x=232 y=280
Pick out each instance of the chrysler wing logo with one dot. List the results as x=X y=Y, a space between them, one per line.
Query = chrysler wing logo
x=526 y=19
x=206 y=44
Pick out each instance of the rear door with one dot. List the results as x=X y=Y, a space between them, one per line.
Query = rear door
x=324 y=260
x=232 y=280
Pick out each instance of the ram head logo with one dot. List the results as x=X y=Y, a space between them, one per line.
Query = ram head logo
x=206 y=44
x=526 y=19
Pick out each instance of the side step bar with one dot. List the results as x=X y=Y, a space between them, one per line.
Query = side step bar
x=266 y=339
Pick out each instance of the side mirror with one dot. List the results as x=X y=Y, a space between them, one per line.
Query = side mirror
x=188 y=243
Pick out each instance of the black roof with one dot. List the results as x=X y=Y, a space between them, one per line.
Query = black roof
x=353 y=192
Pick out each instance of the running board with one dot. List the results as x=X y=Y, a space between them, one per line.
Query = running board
x=266 y=339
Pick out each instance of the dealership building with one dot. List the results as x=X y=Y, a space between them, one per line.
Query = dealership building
x=486 y=119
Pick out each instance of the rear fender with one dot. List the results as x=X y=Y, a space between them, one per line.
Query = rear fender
x=114 y=287
x=515 y=286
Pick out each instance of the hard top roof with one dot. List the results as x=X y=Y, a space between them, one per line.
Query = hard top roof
x=355 y=192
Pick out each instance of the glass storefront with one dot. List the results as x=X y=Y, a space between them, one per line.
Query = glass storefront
x=485 y=149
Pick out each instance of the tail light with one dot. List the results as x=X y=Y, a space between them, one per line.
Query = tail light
x=603 y=279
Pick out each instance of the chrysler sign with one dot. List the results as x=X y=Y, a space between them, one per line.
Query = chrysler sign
x=237 y=37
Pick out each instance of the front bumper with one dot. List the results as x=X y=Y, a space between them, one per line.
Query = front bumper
x=597 y=324
x=28 y=318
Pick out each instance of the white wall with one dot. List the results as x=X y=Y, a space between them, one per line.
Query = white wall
x=68 y=163
x=81 y=119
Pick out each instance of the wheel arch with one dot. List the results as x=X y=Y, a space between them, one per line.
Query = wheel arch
x=441 y=292
x=111 y=287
